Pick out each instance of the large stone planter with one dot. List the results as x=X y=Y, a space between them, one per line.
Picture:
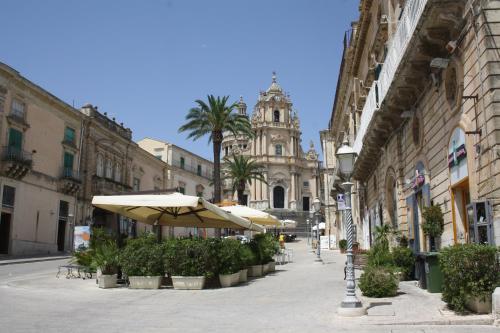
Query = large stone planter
x=107 y=281
x=145 y=282
x=243 y=275
x=188 y=282
x=265 y=268
x=272 y=266
x=255 y=270
x=479 y=304
x=228 y=280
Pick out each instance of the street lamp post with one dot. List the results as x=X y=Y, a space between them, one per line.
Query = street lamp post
x=317 y=207
x=351 y=306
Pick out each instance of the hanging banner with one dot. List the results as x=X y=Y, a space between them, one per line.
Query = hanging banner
x=457 y=156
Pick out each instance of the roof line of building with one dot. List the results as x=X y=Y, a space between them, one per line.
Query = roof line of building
x=174 y=145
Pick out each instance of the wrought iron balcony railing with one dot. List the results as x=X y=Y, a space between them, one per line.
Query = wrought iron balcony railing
x=69 y=173
x=14 y=154
x=396 y=50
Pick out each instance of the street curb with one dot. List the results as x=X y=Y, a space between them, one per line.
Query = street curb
x=32 y=260
x=465 y=322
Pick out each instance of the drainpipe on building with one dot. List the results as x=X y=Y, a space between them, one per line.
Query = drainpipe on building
x=75 y=209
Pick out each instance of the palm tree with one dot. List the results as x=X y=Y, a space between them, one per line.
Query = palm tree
x=214 y=118
x=242 y=170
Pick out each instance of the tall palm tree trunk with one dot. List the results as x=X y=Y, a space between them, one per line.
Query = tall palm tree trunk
x=240 y=190
x=217 y=140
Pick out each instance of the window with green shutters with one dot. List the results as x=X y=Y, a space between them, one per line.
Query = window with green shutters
x=69 y=135
x=68 y=164
x=199 y=170
x=15 y=141
x=182 y=162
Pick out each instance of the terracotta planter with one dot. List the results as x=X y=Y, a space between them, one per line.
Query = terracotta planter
x=188 y=282
x=243 y=275
x=145 y=282
x=107 y=281
x=479 y=304
x=255 y=270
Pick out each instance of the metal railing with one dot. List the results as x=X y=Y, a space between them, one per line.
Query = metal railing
x=14 y=154
x=396 y=50
x=69 y=173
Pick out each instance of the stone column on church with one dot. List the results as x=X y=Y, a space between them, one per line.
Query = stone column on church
x=292 y=146
x=265 y=188
x=264 y=139
x=258 y=192
x=293 y=188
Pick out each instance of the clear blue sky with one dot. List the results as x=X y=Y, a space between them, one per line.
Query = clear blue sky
x=145 y=62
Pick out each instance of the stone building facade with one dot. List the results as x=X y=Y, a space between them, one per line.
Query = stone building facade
x=111 y=164
x=292 y=175
x=54 y=159
x=417 y=98
x=40 y=139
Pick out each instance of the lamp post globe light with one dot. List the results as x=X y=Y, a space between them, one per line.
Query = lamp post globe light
x=317 y=208
x=351 y=306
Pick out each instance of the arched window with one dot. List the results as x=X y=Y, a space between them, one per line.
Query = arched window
x=276 y=116
x=279 y=197
x=118 y=172
x=278 y=150
x=109 y=169
x=100 y=165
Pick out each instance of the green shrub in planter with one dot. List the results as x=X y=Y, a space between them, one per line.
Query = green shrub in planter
x=403 y=259
x=468 y=270
x=106 y=258
x=191 y=257
x=378 y=282
x=343 y=244
x=247 y=257
x=142 y=256
x=264 y=246
x=229 y=257
x=380 y=255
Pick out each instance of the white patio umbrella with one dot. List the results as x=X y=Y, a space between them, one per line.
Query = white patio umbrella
x=321 y=226
x=254 y=215
x=288 y=223
x=175 y=210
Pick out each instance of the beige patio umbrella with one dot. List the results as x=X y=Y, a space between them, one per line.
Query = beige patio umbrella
x=175 y=210
x=254 y=215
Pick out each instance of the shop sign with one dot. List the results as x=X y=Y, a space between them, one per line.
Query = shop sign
x=457 y=156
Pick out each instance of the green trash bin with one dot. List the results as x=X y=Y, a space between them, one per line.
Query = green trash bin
x=433 y=274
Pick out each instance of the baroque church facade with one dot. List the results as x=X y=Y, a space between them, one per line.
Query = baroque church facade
x=292 y=175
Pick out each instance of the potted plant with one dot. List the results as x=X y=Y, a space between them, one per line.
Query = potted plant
x=247 y=258
x=106 y=259
x=343 y=245
x=229 y=262
x=187 y=263
x=471 y=273
x=256 y=268
x=433 y=224
x=142 y=261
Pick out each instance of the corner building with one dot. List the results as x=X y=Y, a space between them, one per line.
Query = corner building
x=418 y=99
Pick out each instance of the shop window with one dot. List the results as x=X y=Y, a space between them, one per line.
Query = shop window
x=479 y=220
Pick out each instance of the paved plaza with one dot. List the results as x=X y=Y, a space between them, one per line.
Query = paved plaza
x=301 y=296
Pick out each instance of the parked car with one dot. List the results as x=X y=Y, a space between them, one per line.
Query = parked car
x=290 y=237
x=242 y=238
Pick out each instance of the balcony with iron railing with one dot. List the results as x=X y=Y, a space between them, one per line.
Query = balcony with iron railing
x=193 y=169
x=70 y=181
x=404 y=74
x=16 y=162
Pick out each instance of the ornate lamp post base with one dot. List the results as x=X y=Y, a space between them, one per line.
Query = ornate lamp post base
x=348 y=311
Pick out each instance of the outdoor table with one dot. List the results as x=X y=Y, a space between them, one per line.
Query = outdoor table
x=70 y=271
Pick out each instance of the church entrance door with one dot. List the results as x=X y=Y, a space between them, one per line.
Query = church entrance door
x=279 y=197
